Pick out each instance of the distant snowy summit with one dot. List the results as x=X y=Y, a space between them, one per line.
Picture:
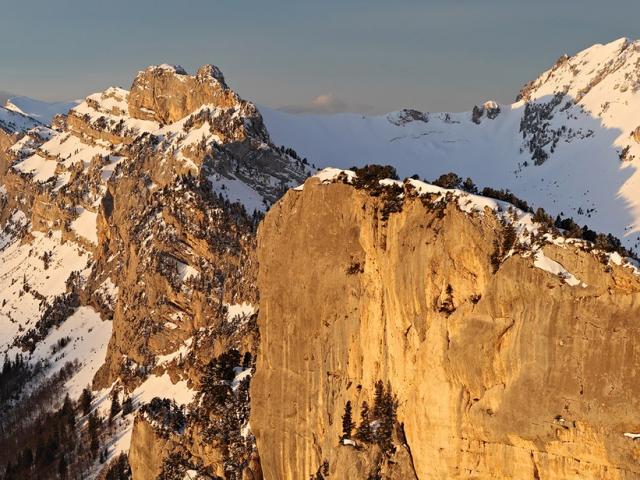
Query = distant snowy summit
x=39 y=110
x=569 y=143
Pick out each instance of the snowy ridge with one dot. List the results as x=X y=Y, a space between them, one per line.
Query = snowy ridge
x=569 y=144
x=15 y=122
x=529 y=233
x=101 y=127
x=38 y=109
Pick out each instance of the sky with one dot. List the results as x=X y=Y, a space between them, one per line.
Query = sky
x=369 y=56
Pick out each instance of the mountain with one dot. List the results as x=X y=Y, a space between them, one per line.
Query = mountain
x=182 y=298
x=12 y=125
x=123 y=245
x=12 y=122
x=38 y=109
x=569 y=143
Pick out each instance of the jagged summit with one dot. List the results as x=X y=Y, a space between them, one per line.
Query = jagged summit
x=577 y=75
x=185 y=124
x=181 y=95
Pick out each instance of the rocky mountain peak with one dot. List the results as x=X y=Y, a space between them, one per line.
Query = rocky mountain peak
x=587 y=72
x=166 y=94
x=207 y=73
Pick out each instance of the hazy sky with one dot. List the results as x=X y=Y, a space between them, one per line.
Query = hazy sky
x=364 y=55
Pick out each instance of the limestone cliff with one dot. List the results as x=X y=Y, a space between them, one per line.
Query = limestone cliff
x=500 y=371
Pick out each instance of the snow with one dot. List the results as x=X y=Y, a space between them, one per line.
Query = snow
x=545 y=263
x=186 y=271
x=41 y=168
x=239 y=311
x=38 y=109
x=580 y=174
x=181 y=352
x=89 y=336
x=85 y=225
x=15 y=122
x=246 y=429
x=170 y=68
x=329 y=174
x=467 y=202
x=240 y=376
x=69 y=149
x=23 y=261
x=163 y=387
x=237 y=191
x=154 y=386
x=109 y=288
x=112 y=105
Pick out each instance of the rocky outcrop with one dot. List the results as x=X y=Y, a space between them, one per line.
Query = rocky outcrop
x=511 y=373
x=6 y=140
x=167 y=93
x=147 y=451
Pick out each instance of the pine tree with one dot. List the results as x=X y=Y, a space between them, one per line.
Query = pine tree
x=93 y=427
x=115 y=407
x=558 y=222
x=6 y=367
x=67 y=411
x=85 y=401
x=364 y=430
x=378 y=400
x=127 y=406
x=347 y=421
x=469 y=186
x=388 y=419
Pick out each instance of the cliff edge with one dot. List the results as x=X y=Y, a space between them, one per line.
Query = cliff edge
x=503 y=358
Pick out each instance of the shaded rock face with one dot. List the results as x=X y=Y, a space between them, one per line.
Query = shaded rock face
x=167 y=94
x=512 y=374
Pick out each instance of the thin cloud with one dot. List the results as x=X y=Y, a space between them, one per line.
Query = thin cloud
x=327 y=103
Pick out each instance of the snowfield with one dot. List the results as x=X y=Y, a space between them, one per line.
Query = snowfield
x=583 y=176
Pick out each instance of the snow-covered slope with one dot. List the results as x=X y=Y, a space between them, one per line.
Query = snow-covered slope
x=38 y=109
x=14 y=122
x=567 y=144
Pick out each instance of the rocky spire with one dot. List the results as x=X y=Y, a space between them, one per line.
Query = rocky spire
x=167 y=94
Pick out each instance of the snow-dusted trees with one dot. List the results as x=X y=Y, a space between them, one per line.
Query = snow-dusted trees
x=448 y=180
